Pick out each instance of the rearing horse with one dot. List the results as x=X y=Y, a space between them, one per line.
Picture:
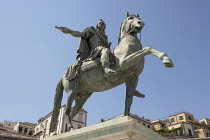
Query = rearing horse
x=129 y=63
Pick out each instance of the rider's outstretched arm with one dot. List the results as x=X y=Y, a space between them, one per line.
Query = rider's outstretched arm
x=77 y=33
x=71 y=32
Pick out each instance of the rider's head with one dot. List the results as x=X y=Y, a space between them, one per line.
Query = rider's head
x=101 y=25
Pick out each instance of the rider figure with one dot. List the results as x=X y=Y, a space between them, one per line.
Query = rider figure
x=97 y=43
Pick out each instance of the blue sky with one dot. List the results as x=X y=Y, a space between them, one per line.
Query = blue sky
x=34 y=56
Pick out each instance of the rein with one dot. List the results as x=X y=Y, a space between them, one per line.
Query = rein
x=132 y=31
x=140 y=36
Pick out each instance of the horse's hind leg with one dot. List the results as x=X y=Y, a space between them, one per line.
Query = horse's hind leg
x=80 y=100
x=130 y=89
x=71 y=97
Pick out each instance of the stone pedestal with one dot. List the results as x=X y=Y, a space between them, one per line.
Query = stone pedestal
x=122 y=128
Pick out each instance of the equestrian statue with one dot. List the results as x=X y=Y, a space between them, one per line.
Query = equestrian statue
x=98 y=68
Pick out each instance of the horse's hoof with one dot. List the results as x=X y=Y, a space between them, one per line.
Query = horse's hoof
x=54 y=134
x=168 y=63
x=138 y=94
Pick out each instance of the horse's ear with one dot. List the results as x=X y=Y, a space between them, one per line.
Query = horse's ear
x=127 y=14
x=137 y=15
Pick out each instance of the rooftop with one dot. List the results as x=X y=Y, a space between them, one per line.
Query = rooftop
x=180 y=113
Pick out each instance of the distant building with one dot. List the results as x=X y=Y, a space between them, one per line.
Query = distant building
x=25 y=128
x=158 y=125
x=43 y=124
x=182 y=125
x=181 y=117
x=202 y=128
x=8 y=132
x=9 y=124
x=204 y=121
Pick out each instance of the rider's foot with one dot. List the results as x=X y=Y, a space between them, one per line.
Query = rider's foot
x=109 y=72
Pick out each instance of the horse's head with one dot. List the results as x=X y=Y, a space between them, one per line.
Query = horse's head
x=131 y=25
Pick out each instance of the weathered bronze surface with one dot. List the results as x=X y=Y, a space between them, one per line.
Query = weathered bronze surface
x=93 y=73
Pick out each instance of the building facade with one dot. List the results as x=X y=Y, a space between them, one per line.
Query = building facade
x=25 y=128
x=181 y=117
x=9 y=124
x=183 y=125
x=43 y=125
x=10 y=130
x=202 y=128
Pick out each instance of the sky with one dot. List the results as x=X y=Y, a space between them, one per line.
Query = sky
x=34 y=56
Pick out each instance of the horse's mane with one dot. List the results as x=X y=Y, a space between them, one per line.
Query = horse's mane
x=121 y=34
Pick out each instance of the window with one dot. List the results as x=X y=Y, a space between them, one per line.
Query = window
x=148 y=126
x=46 y=123
x=79 y=126
x=170 y=133
x=80 y=117
x=189 y=118
x=178 y=132
x=30 y=133
x=20 y=129
x=181 y=118
x=25 y=130
x=190 y=132
x=37 y=129
x=196 y=135
x=172 y=120
x=203 y=122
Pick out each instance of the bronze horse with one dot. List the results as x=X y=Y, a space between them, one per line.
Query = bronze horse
x=129 y=63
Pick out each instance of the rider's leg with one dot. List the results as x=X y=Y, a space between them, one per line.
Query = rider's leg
x=105 y=61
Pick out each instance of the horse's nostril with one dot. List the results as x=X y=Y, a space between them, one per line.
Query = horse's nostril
x=139 y=22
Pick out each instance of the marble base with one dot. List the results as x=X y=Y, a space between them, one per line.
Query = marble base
x=122 y=128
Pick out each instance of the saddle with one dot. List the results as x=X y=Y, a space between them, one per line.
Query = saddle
x=72 y=72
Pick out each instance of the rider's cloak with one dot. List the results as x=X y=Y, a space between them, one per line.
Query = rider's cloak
x=84 y=52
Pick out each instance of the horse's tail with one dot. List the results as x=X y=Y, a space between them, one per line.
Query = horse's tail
x=57 y=105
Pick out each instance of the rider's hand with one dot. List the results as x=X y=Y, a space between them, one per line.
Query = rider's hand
x=65 y=30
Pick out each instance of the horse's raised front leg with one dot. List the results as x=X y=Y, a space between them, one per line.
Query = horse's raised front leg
x=163 y=56
x=130 y=89
x=134 y=58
